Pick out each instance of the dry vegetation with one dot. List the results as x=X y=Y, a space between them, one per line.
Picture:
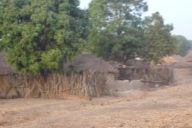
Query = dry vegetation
x=88 y=84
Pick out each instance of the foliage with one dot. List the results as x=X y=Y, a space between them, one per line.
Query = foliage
x=116 y=31
x=38 y=35
x=158 y=39
x=184 y=45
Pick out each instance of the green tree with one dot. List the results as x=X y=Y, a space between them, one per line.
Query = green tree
x=116 y=32
x=158 y=41
x=184 y=45
x=38 y=35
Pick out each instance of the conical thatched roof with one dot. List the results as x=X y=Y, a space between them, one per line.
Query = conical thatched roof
x=88 y=62
x=5 y=68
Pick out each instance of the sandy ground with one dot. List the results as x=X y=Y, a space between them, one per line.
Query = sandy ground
x=168 y=107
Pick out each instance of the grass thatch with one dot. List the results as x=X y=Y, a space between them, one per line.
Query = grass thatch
x=87 y=62
x=87 y=84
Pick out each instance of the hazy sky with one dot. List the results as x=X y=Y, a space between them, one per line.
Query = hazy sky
x=176 y=12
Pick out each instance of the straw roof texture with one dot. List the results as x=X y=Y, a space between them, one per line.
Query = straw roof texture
x=88 y=62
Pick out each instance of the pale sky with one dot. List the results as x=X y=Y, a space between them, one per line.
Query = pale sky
x=176 y=12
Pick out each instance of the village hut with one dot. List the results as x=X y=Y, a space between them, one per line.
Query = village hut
x=98 y=71
x=84 y=76
x=133 y=70
x=87 y=63
x=87 y=76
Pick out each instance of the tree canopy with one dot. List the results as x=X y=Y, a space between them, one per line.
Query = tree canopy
x=115 y=31
x=38 y=35
x=183 y=44
x=119 y=32
x=157 y=37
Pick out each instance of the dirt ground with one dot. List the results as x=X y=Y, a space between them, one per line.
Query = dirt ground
x=166 y=107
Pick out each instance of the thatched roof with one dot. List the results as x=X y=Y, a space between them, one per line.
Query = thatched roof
x=5 y=68
x=88 y=62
